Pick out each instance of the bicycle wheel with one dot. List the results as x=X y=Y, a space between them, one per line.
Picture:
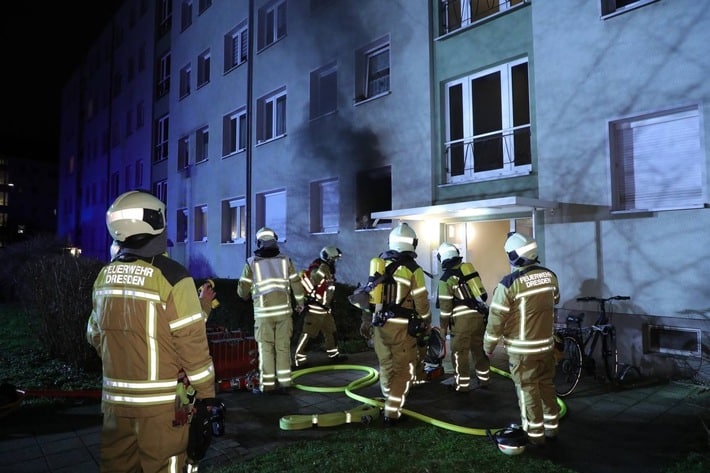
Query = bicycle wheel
x=610 y=355
x=569 y=368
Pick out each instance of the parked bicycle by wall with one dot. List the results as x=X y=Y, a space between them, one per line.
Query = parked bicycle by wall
x=580 y=345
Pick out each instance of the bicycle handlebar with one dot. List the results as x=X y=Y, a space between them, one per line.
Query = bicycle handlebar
x=604 y=299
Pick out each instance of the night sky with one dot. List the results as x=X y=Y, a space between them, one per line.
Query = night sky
x=40 y=45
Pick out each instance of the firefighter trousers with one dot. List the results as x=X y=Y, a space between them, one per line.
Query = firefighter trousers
x=396 y=353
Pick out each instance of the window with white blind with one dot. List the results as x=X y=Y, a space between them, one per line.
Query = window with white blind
x=236 y=46
x=271 y=212
x=657 y=161
x=325 y=206
x=234 y=225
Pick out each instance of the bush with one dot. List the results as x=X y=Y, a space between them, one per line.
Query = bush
x=55 y=290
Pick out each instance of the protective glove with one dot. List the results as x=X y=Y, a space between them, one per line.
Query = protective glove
x=366 y=329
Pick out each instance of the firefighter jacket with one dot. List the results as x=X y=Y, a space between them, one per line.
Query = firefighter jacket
x=147 y=325
x=270 y=282
x=409 y=291
x=522 y=311
x=459 y=289
x=319 y=286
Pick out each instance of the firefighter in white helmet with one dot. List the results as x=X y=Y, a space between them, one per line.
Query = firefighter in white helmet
x=147 y=325
x=319 y=285
x=522 y=317
x=461 y=299
x=399 y=313
x=269 y=279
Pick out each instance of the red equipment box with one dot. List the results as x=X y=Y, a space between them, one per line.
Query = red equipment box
x=233 y=354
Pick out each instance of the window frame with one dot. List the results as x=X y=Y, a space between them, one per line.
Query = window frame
x=509 y=134
x=236 y=47
x=271 y=211
x=185 y=77
x=203 y=68
x=324 y=91
x=200 y=221
x=365 y=77
x=234 y=132
x=644 y=154
x=271 y=116
x=234 y=220
x=162 y=137
x=183 y=153
x=272 y=19
x=325 y=206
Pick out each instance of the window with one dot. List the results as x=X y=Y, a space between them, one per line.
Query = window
x=185 y=74
x=235 y=132
x=457 y=14
x=139 y=173
x=203 y=68
x=488 y=124
x=117 y=84
x=236 y=47
x=127 y=173
x=161 y=139
x=271 y=116
x=373 y=194
x=372 y=70
x=657 y=161
x=272 y=23
x=203 y=5
x=610 y=7
x=271 y=212
x=234 y=224
x=183 y=153
x=140 y=115
x=203 y=141
x=324 y=91
x=141 y=58
x=325 y=206
x=163 y=86
x=115 y=182
x=129 y=122
x=201 y=223
x=181 y=235
x=160 y=190
x=165 y=17
x=186 y=14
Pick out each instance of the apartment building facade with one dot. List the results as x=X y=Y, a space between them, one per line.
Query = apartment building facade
x=580 y=123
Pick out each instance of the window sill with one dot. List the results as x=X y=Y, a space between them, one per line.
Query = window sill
x=627 y=8
x=263 y=142
x=357 y=102
x=652 y=211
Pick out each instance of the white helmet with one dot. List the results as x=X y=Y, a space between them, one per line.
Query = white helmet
x=403 y=238
x=135 y=213
x=511 y=440
x=521 y=249
x=447 y=251
x=330 y=253
x=264 y=235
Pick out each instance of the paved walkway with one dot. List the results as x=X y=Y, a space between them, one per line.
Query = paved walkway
x=637 y=429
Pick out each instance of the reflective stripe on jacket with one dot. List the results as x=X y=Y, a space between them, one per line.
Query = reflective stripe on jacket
x=269 y=282
x=522 y=312
x=146 y=324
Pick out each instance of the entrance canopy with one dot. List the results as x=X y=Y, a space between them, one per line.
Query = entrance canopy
x=488 y=209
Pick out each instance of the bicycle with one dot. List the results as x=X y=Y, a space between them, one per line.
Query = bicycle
x=580 y=344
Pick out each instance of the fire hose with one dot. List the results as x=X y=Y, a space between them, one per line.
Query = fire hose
x=371 y=406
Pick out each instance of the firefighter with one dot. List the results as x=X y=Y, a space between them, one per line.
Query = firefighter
x=522 y=317
x=319 y=286
x=146 y=325
x=398 y=312
x=461 y=299
x=269 y=279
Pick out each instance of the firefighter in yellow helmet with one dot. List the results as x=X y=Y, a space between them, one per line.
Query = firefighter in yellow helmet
x=269 y=279
x=147 y=325
x=522 y=317
x=319 y=285
x=398 y=307
x=461 y=299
